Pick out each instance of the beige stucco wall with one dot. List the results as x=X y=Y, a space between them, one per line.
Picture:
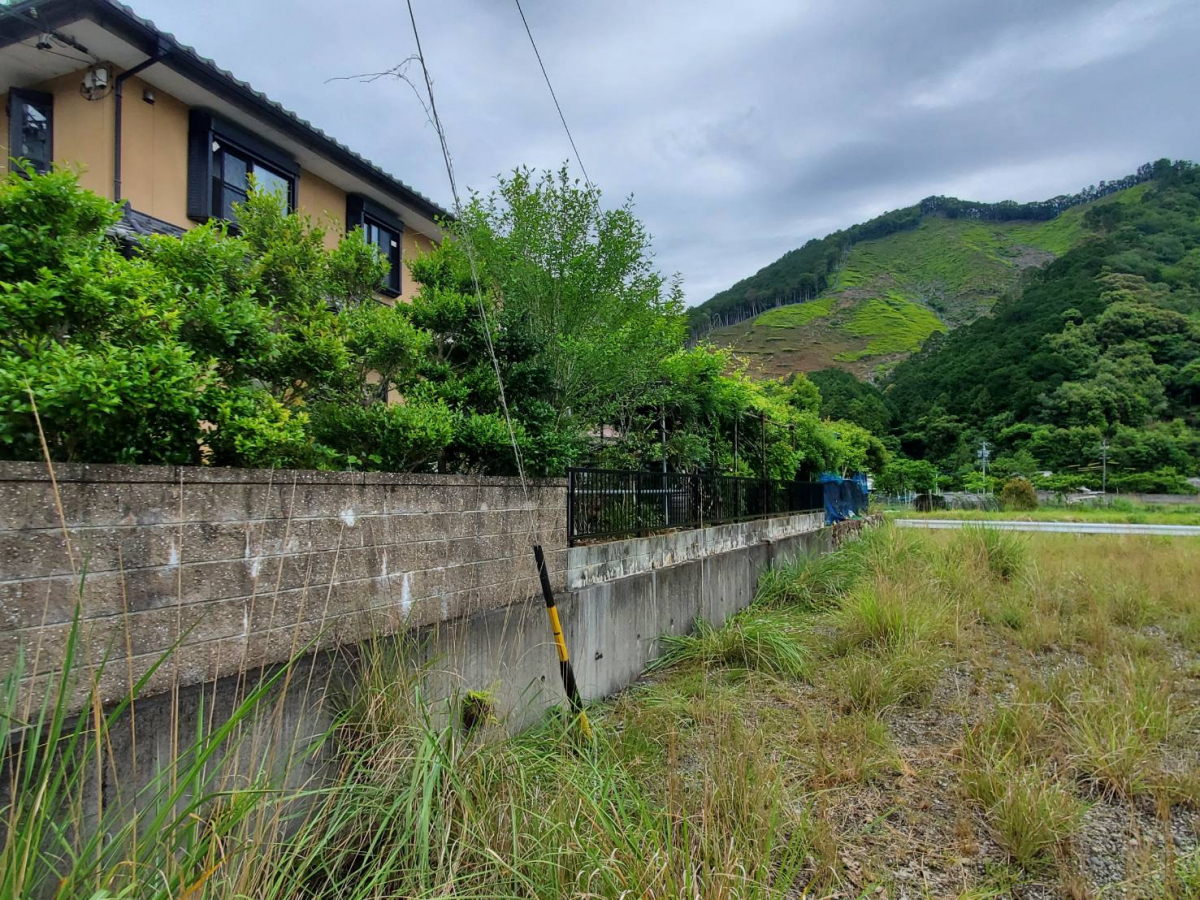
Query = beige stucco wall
x=154 y=160
x=83 y=132
x=154 y=154
x=412 y=245
x=325 y=203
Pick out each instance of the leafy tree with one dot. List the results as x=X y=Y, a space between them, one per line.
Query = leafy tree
x=93 y=340
x=904 y=476
x=1018 y=495
x=580 y=278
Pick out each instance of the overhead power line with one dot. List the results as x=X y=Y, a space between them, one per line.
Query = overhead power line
x=553 y=96
x=487 y=328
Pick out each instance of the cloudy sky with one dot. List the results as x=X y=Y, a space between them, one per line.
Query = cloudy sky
x=741 y=129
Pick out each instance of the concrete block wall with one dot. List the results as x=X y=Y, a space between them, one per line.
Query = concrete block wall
x=244 y=568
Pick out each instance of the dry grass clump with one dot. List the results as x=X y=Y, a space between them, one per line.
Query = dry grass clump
x=1002 y=554
x=757 y=638
x=1115 y=725
x=1028 y=811
x=872 y=683
x=834 y=751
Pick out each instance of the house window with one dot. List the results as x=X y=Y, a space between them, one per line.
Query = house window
x=31 y=128
x=382 y=230
x=221 y=158
x=232 y=169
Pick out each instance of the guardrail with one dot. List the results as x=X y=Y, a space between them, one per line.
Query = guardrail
x=610 y=503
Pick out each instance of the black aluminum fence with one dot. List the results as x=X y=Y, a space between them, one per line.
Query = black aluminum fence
x=607 y=503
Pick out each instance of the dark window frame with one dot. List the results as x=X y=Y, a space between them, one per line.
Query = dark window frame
x=361 y=212
x=18 y=98
x=205 y=129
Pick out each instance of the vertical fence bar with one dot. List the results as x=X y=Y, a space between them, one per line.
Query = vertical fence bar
x=570 y=507
x=637 y=503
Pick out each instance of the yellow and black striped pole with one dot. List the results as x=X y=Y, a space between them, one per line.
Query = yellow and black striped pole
x=564 y=661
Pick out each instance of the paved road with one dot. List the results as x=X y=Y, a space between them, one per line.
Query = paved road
x=1065 y=527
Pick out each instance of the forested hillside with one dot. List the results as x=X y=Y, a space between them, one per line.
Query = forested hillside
x=1104 y=343
x=803 y=273
x=902 y=277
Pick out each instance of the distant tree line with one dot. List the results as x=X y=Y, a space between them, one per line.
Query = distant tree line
x=800 y=275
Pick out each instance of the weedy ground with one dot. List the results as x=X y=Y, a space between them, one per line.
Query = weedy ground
x=969 y=714
x=976 y=713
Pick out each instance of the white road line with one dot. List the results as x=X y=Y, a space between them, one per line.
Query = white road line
x=1061 y=527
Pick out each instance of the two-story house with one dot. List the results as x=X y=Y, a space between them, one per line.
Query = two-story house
x=172 y=137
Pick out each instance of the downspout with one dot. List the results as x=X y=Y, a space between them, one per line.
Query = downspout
x=118 y=91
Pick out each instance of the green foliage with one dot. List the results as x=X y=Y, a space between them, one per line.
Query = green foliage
x=1018 y=495
x=252 y=428
x=906 y=476
x=197 y=349
x=894 y=324
x=90 y=339
x=845 y=397
x=398 y=437
x=753 y=639
x=581 y=278
x=259 y=346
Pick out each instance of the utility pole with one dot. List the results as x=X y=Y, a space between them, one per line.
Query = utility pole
x=985 y=453
x=1104 y=466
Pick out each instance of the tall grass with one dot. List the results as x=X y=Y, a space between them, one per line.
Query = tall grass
x=70 y=829
x=761 y=639
x=412 y=805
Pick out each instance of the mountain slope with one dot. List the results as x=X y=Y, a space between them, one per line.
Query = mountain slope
x=1103 y=344
x=864 y=298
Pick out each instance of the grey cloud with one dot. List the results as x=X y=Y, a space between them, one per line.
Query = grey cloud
x=742 y=130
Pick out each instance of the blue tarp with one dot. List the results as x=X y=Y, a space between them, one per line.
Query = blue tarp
x=845 y=498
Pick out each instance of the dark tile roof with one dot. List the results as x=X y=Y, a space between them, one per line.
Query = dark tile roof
x=135 y=225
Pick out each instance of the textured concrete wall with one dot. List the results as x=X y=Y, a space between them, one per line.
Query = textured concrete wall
x=613 y=626
x=245 y=567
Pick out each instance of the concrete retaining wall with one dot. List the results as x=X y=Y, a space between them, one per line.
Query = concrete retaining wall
x=625 y=596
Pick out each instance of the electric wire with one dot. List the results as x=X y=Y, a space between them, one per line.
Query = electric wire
x=553 y=96
x=487 y=328
x=566 y=670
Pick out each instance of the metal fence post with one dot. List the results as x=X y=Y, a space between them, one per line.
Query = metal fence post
x=570 y=507
x=637 y=502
